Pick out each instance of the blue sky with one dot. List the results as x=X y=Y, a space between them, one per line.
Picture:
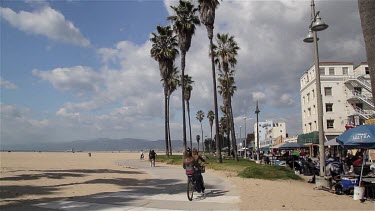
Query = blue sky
x=81 y=69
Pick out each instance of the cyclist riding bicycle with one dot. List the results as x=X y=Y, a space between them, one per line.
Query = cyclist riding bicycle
x=193 y=167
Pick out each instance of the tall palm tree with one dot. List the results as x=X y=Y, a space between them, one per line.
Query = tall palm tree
x=188 y=88
x=366 y=12
x=211 y=117
x=172 y=82
x=200 y=117
x=184 y=23
x=164 y=51
x=225 y=53
x=226 y=89
x=207 y=16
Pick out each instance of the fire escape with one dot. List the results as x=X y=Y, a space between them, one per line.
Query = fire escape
x=361 y=103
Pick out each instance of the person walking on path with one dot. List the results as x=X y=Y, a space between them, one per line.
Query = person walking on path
x=152 y=157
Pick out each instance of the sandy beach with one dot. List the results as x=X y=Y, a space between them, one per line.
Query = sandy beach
x=35 y=177
x=29 y=177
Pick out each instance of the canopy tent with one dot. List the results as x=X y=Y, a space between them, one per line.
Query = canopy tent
x=292 y=145
x=331 y=142
x=362 y=136
x=277 y=146
x=242 y=149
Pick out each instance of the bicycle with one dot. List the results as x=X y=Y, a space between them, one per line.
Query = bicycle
x=192 y=183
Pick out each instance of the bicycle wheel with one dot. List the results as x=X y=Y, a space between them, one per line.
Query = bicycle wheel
x=190 y=189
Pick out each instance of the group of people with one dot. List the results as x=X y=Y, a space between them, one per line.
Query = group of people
x=151 y=157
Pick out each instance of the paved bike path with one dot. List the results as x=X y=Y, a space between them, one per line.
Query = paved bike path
x=166 y=190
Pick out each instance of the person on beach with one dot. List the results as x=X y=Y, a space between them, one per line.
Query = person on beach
x=152 y=157
x=142 y=155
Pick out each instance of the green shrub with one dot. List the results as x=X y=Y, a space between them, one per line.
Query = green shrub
x=244 y=168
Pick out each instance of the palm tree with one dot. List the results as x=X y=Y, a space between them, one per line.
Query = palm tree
x=200 y=117
x=225 y=53
x=188 y=88
x=207 y=16
x=366 y=12
x=211 y=117
x=164 y=51
x=226 y=89
x=172 y=83
x=184 y=23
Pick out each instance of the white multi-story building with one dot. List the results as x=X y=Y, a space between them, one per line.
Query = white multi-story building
x=268 y=132
x=346 y=97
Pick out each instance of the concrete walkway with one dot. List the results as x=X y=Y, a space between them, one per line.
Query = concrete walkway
x=166 y=190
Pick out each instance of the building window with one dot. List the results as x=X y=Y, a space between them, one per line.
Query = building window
x=367 y=70
x=345 y=70
x=358 y=90
x=314 y=109
x=309 y=110
x=316 y=125
x=313 y=94
x=330 y=123
x=331 y=71
x=329 y=107
x=310 y=127
x=359 y=105
x=307 y=78
x=308 y=97
x=328 y=91
x=322 y=71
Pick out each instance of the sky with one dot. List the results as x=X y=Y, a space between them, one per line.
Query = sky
x=73 y=70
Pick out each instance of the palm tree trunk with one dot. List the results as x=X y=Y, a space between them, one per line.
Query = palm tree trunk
x=366 y=13
x=188 y=110
x=234 y=143
x=169 y=128
x=183 y=55
x=210 y=147
x=166 y=122
x=202 y=137
x=218 y=147
x=228 y=141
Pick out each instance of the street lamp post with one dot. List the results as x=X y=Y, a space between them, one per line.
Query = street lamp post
x=244 y=119
x=240 y=132
x=257 y=111
x=317 y=25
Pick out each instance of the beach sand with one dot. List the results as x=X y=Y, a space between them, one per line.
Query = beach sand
x=290 y=195
x=28 y=177
x=39 y=177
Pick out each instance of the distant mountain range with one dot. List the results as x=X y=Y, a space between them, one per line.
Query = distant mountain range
x=100 y=144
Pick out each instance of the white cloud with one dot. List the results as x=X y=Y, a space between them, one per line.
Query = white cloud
x=81 y=80
x=7 y=84
x=47 y=22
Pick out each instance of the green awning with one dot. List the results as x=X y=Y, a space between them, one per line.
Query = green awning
x=309 y=138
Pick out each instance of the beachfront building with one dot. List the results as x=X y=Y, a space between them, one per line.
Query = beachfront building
x=269 y=132
x=346 y=97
